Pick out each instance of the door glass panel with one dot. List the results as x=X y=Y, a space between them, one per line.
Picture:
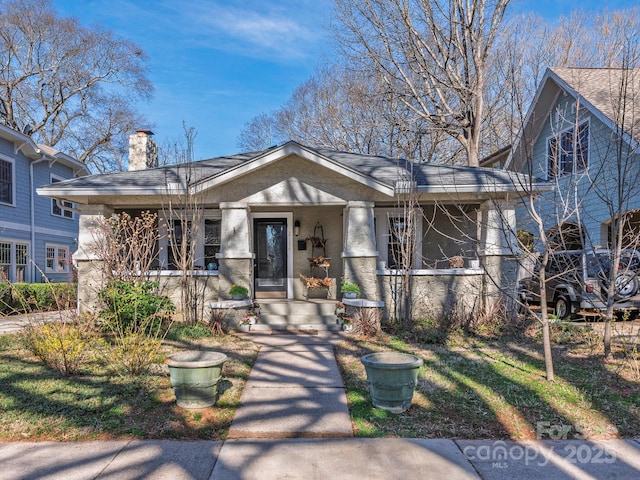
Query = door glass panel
x=271 y=254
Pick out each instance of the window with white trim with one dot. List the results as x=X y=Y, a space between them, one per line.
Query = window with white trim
x=13 y=261
x=6 y=181
x=57 y=259
x=568 y=152
x=60 y=208
x=398 y=238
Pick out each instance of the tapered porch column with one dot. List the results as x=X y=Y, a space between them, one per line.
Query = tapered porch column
x=360 y=254
x=499 y=251
x=235 y=257
x=87 y=258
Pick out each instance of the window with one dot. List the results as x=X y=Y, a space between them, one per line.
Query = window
x=5 y=261
x=398 y=237
x=399 y=245
x=211 y=243
x=567 y=154
x=60 y=208
x=176 y=243
x=57 y=259
x=6 y=181
x=13 y=261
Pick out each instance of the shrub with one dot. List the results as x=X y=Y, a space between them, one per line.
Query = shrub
x=60 y=345
x=188 y=331
x=132 y=354
x=348 y=287
x=37 y=297
x=134 y=307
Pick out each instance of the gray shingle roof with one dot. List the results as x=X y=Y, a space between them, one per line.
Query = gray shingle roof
x=382 y=169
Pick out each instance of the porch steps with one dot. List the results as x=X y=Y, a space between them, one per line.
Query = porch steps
x=292 y=315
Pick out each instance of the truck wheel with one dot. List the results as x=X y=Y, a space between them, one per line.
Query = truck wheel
x=563 y=308
x=626 y=284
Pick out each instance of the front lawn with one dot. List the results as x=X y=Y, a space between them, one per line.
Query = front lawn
x=38 y=403
x=497 y=389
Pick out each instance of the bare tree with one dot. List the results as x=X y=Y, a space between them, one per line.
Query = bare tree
x=433 y=56
x=69 y=86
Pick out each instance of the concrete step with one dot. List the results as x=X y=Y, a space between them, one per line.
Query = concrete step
x=296 y=315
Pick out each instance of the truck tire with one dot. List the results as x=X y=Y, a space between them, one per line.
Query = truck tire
x=563 y=308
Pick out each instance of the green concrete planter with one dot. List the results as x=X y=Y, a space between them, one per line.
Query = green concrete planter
x=195 y=376
x=391 y=378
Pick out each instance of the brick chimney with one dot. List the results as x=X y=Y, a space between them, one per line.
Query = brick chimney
x=143 y=151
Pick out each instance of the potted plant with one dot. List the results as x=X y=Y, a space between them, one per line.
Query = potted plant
x=349 y=289
x=238 y=292
x=340 y=308
x=245 y=324
x=347 y=324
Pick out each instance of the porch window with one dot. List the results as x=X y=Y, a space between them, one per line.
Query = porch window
x=176 y=239
x=398 y=237
x=568 y=152
x=211 y=243
x=6 y=181
x=60 y=208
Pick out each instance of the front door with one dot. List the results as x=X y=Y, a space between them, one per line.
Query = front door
x=270 y=247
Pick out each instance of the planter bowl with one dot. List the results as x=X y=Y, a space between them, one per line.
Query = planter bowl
x=350 y=295
x=391 y=378
x=195 y=376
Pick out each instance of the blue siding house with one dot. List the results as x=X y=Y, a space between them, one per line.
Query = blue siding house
x=37 y=234
x=582 y=135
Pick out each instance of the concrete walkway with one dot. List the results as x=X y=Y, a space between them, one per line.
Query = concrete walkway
x=293 y=391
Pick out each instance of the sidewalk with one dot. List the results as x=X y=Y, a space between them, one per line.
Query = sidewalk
x=294 y=391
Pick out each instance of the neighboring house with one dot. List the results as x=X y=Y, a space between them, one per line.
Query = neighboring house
x=37 y=234
x=581 y=134
x=262 y=210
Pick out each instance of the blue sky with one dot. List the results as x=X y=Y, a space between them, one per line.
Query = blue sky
x=216 y=64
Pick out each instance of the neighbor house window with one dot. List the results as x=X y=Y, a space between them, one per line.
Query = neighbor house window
x=57 y=258
x=6 y=181
x=5 y=261
x=61 y=208
x=568 y=152
x=13 y=261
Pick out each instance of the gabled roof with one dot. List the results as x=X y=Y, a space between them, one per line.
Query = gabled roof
x=383 y=174
x=33 y=151
x=610 y=94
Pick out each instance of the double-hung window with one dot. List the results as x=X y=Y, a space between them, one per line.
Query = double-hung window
x=6 y=181
x=60 y=208
x=57 y=259
x=568 y=152
x=13 y=261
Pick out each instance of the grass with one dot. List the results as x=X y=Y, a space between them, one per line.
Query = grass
x=487 y=388
x=38 y=403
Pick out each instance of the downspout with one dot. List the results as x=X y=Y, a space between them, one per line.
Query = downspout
x=32 y=247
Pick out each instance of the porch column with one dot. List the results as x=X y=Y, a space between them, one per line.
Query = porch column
x=235 y=257
x=87 y=258
x=499 y=251
x=360 y=254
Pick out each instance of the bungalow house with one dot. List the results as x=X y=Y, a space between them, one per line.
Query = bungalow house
x=273 y=216
x=37 y=234
x=581 y=134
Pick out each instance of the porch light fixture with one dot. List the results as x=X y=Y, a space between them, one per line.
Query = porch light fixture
x=296 y=228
